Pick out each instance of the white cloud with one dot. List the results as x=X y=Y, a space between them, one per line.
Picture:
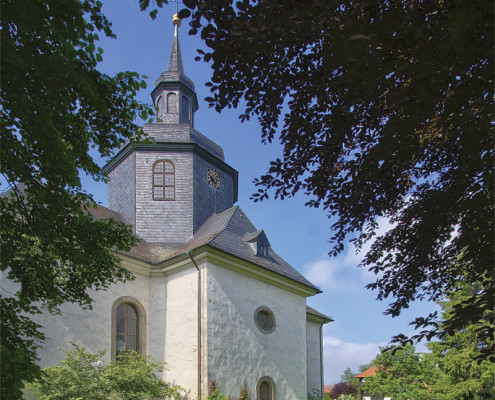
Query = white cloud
x=338 y=355
x=340 y=274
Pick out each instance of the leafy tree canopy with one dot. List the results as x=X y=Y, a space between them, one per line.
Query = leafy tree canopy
x=349 y=376
x=384 y=109
x=403 y=374
x=84 y=376
x=461 y=378
x=56 y=108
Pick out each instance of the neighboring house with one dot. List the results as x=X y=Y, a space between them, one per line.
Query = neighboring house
x=362 y=376
x=210 y=298
x=328 y=388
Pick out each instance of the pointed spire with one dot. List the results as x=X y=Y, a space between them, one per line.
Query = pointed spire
x=174 y=93
x=175 y=60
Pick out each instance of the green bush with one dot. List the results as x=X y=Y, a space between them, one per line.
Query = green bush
x=83 y=376
x=216 y=395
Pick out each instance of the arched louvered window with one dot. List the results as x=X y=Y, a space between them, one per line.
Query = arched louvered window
x=160 y=105
x=163 y=180
x=185 y=107
x=127 y=329
x=172 y=103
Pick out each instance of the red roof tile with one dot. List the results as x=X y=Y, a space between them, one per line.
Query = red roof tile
x=369 y=372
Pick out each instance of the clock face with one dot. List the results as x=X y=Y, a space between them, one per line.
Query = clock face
x=213 y=178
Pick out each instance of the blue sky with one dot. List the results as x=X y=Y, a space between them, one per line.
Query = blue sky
x=298 y=233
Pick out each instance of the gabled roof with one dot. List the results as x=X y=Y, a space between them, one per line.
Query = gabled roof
x=227 y=232
x=371 y=371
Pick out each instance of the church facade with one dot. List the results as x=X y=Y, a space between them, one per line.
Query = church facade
x=211 y=298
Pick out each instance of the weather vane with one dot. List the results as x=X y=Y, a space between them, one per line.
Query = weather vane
x=176 y=5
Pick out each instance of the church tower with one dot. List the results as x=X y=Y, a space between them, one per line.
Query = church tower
x=168 y=188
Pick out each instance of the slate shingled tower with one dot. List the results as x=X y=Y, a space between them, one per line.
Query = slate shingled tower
x=166 y=190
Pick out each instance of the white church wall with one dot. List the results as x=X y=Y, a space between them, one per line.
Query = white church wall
x=313 y=342
x=89 y=328
x=181 y=330
x=238 y=352
x=156 y=318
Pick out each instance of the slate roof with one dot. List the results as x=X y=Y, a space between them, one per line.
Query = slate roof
x=175 y=68
x=227 y=232
x=312 y=311
x=182 y=133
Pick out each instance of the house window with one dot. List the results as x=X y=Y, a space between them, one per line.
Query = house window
x=172 y=103
x=265 y=389
x=128 y=326
x=163 y=180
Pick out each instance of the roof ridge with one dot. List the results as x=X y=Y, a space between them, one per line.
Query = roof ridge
x=234 y=209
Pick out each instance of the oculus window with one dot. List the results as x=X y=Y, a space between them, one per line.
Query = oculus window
x=163 y=180
x=264 y=319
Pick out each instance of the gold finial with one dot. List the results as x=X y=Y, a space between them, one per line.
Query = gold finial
x=176 y=20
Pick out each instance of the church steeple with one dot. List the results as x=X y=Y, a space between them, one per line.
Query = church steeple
x=174 y=93
x=175 y=60
x=168 y=188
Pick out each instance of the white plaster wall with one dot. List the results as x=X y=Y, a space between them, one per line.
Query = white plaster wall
x=181 y=330
x=238 y=353
x=156 y=317
x=90 y=328
x=313 y=341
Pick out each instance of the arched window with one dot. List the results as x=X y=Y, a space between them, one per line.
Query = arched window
x=171 y=103
x=185 y=107
x=163 y=180
x=160 y=106
x=127 y=333
x=265 y=389
x=128 y=326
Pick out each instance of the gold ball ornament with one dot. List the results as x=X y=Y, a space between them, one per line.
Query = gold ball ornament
x=176 y=20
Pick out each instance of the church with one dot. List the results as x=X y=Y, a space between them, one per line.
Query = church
x=211 y=298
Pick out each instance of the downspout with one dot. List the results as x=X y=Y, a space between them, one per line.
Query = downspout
x=321 y=363
x=199 y=323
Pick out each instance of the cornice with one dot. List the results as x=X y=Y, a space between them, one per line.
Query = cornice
x=186 y=147
x=317 y=319
x=207 y=254
x=233 y=263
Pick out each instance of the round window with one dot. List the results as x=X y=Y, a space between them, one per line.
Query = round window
x=264 y=319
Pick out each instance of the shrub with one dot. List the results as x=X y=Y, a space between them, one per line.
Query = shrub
x=83 y=376
x=342 y=388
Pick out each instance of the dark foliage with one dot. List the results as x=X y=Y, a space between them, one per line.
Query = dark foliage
x=56 y=107
x=342 y=388
x=384 y=110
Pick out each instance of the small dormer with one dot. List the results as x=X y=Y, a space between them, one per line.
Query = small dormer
x=259 y=243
